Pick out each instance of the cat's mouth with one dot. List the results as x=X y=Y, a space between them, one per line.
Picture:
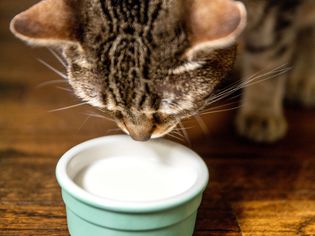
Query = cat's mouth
x=145 y=132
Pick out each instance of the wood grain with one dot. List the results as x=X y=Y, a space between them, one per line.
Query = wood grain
x=254 y=189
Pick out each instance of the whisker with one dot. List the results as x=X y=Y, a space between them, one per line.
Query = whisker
x=261 y=73
x=58 y=72
x=273 y=73
x=220 y=106
x=68 y=107
x=50 y=82
x=271 y=77
x=234 y=85
x=113 y=130
x=253 y=80
x=254 y=77
x=276 y=71
x=100 y=116
x=222 y=110
x=177 y=133
x=184 y=133
x=58 y=57
x=175 y=137
x=83 y=123
x=262 y=78
x=202 y=124
x=65 y=89
x=233 y=97
x=185 y=128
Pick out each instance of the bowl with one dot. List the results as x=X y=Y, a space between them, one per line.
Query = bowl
x=114 y=186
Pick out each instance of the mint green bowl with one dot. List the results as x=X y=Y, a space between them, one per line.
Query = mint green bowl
x=92 y=215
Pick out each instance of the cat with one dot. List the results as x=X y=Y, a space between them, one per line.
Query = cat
x=278 y=33
x=150 y=64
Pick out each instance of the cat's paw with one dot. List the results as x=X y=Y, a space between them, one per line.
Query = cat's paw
x=302 y=91
x=261 y=128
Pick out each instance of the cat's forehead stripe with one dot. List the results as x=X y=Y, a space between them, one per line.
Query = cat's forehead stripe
x=129 y=51
x=142 y=12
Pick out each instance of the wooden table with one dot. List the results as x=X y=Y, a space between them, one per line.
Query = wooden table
x=254 y=189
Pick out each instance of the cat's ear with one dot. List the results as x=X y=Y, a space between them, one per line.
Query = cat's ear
x=49 y=22
x=213 y=24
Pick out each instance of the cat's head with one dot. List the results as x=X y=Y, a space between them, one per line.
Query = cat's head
x=148 y=64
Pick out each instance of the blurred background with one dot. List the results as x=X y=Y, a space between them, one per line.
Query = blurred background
x=254 y=189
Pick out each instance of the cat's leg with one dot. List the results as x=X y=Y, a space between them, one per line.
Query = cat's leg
x=301 y=83
x=261 y=117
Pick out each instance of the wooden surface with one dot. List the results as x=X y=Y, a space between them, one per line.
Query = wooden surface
x=254 y=189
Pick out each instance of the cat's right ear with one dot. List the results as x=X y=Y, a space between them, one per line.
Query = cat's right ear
x=49 y=22
x=213 y=24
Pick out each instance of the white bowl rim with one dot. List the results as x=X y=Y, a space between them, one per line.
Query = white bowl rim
x=68 y=185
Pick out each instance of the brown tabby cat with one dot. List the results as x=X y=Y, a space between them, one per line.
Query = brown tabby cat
x=279 y=32
x=150 y=64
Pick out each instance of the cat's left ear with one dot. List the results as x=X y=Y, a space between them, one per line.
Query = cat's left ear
x=213 y=24
x=49 y=22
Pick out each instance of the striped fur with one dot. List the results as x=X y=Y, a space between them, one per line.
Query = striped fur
x=130 y=63
x=271 y=40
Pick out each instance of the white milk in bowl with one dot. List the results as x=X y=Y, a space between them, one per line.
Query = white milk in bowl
x=134 y=178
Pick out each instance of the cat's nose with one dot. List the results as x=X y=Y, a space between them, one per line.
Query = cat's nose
x=140 y=132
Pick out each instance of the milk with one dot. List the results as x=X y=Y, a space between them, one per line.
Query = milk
x=136 y=179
